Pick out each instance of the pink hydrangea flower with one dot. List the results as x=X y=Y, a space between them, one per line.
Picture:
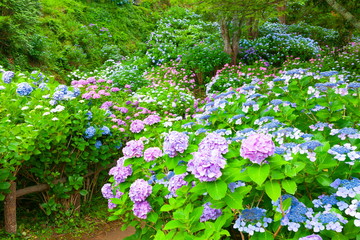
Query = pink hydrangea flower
x=257 y=148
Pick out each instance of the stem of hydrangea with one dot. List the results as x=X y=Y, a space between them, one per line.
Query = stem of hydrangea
x=242 y=236
x=262 y=195
x=283 y=214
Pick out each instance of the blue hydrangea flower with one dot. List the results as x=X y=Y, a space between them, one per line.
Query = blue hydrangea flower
x=58 y=95
x=105 y=130
x=90 y=132
x=252 y=220
x=24 y=89
x=98 y=144
x=8 y=76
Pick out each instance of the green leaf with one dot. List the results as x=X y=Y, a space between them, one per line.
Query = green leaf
x=262 y=236
x=259 y=173
x=289 y=186
x=173 y=224
x=273 y=190
x=234 y=200
x=4 y=185
x=324 y=180
x=83 y=192
x=166 y=208
x=217 y=190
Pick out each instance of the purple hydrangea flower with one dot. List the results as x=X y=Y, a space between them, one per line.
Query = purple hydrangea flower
x=152 y=153
x=137 y=126
x=175 y=142
x=210 y=213
x=24 y=89
x=152 y=119
x=141 y=209
x=139 y=190
x=311 y=237
x=120 y=172
x=214 y=141
x=206 y=165
x=175 y=183
x=257 y=148
x=106 y=191
x=112 y=205
x=133 y=148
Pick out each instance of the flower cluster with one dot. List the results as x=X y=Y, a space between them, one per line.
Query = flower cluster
x=139 y=191
x=120 y=172
x=210 y=213
x=152 y=153
x=252 y=220
x=108 y=193
x=175 y=142
x=133 y=148
x=24 y=89
x=257 y=148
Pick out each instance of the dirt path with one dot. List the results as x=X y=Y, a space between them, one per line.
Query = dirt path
x=112 y=232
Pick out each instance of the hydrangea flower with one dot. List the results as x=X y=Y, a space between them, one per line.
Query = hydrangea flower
x=257 y=148
x=139 y=190
x=252 y=220
x=141 y=209
x=107 y=192
x=214 y=141
x=58 y=95
x=152 y=119
x=105 y=130
x=24 y=89
x=206 y=165
x=175 y=183
x=175 y=142
x=326 y=220
x=210 y=213
x=346 y=188
x=7 y=76
x=152 y=153
x=98 y=144
x=137 y=126
x=90 y=132
x=133 y=148
x=311 y=237
x=120 y=172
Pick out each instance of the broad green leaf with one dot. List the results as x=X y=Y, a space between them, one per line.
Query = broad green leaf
x=4 y=185
x=273 y=190
x=324 y=180
x=289 y=186
x=259 y=173
x=234 y=200
x=217 y=190
x=262 y=236
x=173 y=224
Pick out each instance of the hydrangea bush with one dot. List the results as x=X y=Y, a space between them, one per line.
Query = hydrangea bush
x=258 y=162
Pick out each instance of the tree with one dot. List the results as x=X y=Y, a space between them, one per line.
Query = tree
x=344 y=13
x=235 y=17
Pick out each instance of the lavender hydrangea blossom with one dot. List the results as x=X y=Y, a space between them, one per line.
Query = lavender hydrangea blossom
x=137 y=126
x=152 y=153
x=214 y=141
x=133 y=148
x=7 y=76
x=120 y=172
x=152 y=119
x=107 y=193
x=257 y=148
x=175 y=183
x=311 y=237
x=139 y=190
x=210 y=213
x=141 y=209
x=206 y=166
x=175 y=142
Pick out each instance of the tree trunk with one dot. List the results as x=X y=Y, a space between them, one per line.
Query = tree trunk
x=282 y=16
x=344 y=13
x=225 y=35
x=10 y=209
